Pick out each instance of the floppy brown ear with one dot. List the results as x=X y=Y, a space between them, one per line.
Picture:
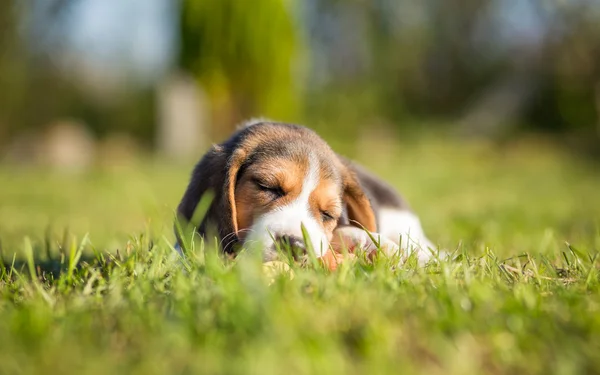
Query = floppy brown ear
x=234 y=165
x=215 y=174
x=360 y=211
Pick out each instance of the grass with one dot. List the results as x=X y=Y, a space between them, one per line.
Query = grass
x=95 y=287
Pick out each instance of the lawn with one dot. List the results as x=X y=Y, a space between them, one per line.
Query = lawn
x=95 y=287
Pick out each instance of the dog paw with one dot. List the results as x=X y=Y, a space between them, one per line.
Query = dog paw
x=353 y=240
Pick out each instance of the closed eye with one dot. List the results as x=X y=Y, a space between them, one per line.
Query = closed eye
x=327 y=216
x=274 y=191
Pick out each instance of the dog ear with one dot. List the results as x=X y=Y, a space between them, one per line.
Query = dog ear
x=358 y=207
x=215 y=174
x=233 y=167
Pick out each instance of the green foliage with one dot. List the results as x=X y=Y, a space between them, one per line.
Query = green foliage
x=142 y=311
x=246 y=54
x=517 y=298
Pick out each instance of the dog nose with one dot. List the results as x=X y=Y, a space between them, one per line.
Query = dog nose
x=296 y=244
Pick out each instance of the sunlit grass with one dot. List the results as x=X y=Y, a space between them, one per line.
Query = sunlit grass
x=96 y=287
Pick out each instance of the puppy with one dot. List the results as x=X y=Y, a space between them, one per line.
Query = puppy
x=273 y=181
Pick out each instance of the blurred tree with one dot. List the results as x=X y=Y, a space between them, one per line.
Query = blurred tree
x=569 y=99
x=495 y=64
x=13 y=79
x=247 y=56
x=39 y=87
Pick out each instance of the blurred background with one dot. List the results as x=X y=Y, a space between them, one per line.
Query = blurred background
x=88 y=83
x=166 y=75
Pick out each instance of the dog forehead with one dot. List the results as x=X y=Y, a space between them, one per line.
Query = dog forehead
x=270 y=144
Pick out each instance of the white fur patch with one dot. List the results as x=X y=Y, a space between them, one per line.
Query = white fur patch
x=288 y=220
x=404 y=228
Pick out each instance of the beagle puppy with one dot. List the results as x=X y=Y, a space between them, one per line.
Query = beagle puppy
x=274 y=182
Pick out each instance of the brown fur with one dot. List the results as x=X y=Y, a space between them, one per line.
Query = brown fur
x=276 y=153
x=251 y=201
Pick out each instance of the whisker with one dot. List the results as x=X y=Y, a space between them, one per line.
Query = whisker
x=228 y=243
x=233 y=234
x=226 y=237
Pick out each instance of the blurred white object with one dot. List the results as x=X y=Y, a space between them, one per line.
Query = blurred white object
x=68 y=146
x=181 y=117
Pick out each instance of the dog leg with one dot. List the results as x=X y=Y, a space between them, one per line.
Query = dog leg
x=404 y=228
x=353 y=239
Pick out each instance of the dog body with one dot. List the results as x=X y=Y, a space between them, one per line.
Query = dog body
x=275 y=182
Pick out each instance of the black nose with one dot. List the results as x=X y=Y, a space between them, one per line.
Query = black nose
x=295 y=244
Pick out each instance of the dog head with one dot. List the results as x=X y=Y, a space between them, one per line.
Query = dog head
x=273 y=182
